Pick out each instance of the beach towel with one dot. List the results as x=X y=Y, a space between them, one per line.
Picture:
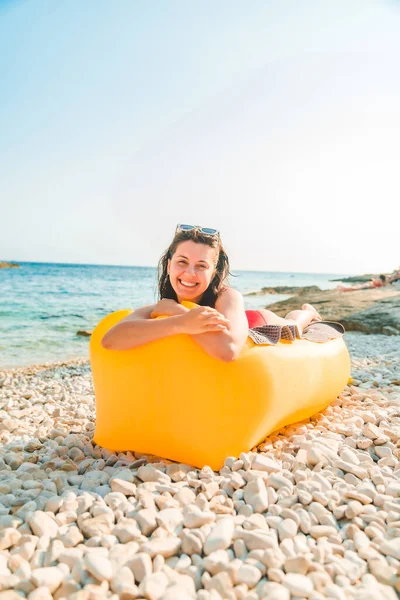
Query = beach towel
x=318 y=331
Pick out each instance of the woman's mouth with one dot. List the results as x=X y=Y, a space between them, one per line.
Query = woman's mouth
x=186 y=284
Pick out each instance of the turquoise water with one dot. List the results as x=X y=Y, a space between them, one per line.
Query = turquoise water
x=43 y=305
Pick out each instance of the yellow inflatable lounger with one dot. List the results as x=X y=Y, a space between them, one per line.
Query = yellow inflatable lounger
x=170 y=399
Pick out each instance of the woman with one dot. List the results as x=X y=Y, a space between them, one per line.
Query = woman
x=194 y=268
x=375 y=282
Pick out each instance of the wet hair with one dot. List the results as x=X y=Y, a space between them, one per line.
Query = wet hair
x=382 y=278
x=217 y=285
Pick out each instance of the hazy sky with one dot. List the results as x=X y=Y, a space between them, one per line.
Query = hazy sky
x=275 y=121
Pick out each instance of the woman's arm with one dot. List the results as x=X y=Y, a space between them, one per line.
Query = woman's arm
x=227 y=345
x=168 y=308
x=128 y=333
x=138 y=328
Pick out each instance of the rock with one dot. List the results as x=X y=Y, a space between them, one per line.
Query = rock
x=72 y=537
x=42 y=524
x=263 y=463
x=257 y=539
x=97 y=526
x=359 y=278
x=170 y=518
x=185 y=496
x=287 y=529
x=255 y=494
x=127 y=530
x=126 y=475
x=391 y=548
x=191 y=543
x=273 y=591
x=286 y=289
x=216 y=562
x=49 y=577
x=98 y=566
x=359 y=472
x=374 y=310
x=278 y=481
x=164 y=546
x=122 y=486
x=8 y=537
x=361 y=540
x=84 y=333
x=8 y=265
x=220 y=536
x=40 y=593
x=153 y=586
x=70 y=556
x=176 y=592
x=141 y=566
x=146 y=519
x=247 y=574
x=318 y=531
x=298 y=564
x=193 y=517
x=150 y=473
x=298 y=585
x=123 y=578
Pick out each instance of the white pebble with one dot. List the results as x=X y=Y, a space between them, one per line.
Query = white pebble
x=49 y=577
x=220 y=537
x=298 y=585
x=42 y=524
x=98 y=566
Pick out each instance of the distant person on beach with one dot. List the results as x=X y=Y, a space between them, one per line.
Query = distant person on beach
x=375 y=282
x=195 y=268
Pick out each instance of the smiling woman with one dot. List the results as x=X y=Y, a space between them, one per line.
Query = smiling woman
x=194 y=268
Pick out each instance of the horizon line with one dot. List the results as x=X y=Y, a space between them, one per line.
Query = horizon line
x=35 y=262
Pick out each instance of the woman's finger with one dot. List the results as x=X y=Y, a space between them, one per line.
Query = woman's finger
x=219 y=319
x=209 y=311
x=211 y=320
x=217 y=327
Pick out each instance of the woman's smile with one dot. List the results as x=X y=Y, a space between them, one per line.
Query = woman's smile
x=187 y=289
x=187 y=284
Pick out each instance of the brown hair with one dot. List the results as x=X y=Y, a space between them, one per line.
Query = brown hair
x=165 y=289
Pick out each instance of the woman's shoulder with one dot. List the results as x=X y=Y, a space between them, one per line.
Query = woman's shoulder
x=229 y=291
x=229 y=294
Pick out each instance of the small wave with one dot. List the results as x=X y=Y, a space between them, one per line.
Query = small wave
x=61 y=316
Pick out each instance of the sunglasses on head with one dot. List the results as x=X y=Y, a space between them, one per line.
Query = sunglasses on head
x=204 y=230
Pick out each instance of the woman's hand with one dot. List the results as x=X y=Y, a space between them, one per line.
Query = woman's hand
x=203 y=320
x=168 y=308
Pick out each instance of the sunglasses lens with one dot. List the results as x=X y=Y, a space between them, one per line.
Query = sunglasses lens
x=208 y=231
x=186 y=227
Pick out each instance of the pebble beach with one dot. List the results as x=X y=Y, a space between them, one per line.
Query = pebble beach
x=312 y=512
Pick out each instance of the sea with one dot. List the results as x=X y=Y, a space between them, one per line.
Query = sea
x=44 y=305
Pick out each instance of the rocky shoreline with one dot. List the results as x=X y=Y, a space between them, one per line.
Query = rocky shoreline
x=8 y=265
x=312 y=512
x=359 y=278
x=369 y=310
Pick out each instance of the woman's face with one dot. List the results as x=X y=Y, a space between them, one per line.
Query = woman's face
x=191 y=270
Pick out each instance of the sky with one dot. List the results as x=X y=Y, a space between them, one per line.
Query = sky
x=275 y=121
